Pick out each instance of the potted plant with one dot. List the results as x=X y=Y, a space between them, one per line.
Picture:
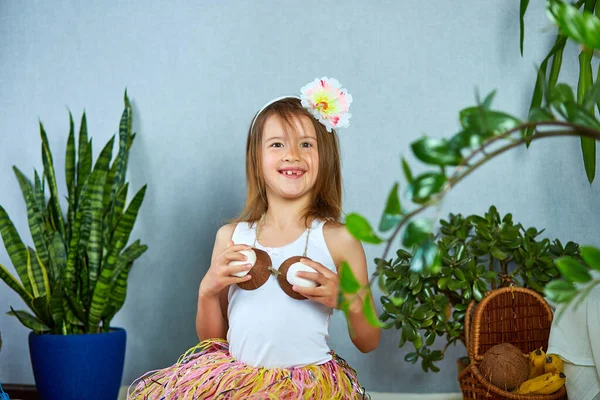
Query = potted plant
x=477 y=254
x=74 y=278
x=484 y=134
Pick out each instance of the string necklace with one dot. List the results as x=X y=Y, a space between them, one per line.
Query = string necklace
x=261 y=222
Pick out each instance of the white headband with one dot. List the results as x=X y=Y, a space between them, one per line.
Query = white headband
x=324 y=99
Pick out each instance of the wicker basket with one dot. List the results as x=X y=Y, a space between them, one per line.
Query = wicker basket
x=512 y=315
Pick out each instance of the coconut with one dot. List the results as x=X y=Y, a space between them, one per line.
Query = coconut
x=505 y=366
x=287 y=276
x=251 y=259
x=260 y=270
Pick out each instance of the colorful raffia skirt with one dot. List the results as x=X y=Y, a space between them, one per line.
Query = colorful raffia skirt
x=208 y=371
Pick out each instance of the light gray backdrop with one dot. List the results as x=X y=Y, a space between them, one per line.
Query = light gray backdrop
x=197 y=71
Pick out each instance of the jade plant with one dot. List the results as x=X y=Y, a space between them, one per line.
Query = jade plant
x=74 y=278
x=477 y=254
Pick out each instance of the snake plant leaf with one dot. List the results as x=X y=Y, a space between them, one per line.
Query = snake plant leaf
x=15 y=285
x=15 y=248
x=392 y=213
x=38 y=191
x=95 y=192
x=582 y=27
x=101 y=292
x=360 y=228
x=522 y=10
x=51 y=178
x=119 y=286
x=38 y=275
x=41 y=309
x=84 y=155
x=123 y=154
x=436 y=152
x=34 y=216
x=29 y=320
x=70 y=159
x=57 y=310
x=425 y=186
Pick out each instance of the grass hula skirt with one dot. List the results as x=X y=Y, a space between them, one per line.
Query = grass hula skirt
x=208 y=371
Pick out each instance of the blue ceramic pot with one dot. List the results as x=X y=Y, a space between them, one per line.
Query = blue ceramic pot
x=77 y=367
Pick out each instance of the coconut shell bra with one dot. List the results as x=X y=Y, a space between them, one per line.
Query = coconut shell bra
x=263 y=268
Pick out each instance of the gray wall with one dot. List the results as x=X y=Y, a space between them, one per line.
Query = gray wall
x=196 y=73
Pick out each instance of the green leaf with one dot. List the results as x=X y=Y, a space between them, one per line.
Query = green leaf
x=588 y=145
x=426 y=258
x=34 y=216
x=498 y=254
x=409 y=331
x=348 y=282
x=560 y=291
x=584 y=28
x=95 y=192
x=360 y=228
x=591 y=255
x=487 y=123
x=15 y=285
x=556 y=65
x=84 y=155
x=70 y=157
x=523 y=8
x=51 y=178
x=407 y=171
x=393 y=211
x=425 y=186
x=29 y=320
x=591 y=96
x=15 y=248
x=369 y=313
x=436 y=152
x=573 y=270
x=540 y=115
x=411 y=357
x=416 y=232
x=477 y=293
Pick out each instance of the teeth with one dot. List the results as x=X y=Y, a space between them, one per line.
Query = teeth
x=292 y=173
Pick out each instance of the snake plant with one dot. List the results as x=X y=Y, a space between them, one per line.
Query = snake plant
x=74 y=278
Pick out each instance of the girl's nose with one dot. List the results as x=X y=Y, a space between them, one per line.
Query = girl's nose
x=292 y=154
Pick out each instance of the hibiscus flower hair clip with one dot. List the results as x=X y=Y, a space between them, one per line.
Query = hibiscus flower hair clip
x=326 y=100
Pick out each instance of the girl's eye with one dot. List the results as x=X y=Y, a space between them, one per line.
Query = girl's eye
x=306 y=144
x=276 y=144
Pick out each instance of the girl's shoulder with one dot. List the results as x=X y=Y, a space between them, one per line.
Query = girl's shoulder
x=225 y=232
x=339 y=240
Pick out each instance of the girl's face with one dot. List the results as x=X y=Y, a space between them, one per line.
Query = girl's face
x=290 y=158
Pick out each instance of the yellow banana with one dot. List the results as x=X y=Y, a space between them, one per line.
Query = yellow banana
x=537 y=360
x=543 y=384
x=553 y=363
x=554 y=383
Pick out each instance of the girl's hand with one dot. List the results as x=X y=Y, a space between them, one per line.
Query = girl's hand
x=219 y=275
x=327 y=290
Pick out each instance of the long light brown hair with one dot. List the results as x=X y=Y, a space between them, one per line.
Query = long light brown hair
x=326 y=201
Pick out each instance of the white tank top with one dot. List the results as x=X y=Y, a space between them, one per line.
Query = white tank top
x=267 y=328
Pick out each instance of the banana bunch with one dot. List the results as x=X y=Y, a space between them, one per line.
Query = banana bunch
x=537 y=362
x=547 y=383
x=553 y=363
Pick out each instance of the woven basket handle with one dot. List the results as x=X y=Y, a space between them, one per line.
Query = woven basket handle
x=468 y=317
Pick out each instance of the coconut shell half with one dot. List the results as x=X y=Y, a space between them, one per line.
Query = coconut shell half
x=259 y=272
x=282 y=277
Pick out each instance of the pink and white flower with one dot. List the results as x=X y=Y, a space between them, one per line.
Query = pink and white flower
x=328 y=102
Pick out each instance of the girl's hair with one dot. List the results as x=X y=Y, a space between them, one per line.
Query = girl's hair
x=326 y=202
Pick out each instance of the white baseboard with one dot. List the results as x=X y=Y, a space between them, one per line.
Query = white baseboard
x=379 y=396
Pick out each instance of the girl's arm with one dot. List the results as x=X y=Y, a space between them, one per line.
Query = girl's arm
x=344 y=247
x=211 y=317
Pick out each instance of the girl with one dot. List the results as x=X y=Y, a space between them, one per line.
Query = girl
x=260 y=337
